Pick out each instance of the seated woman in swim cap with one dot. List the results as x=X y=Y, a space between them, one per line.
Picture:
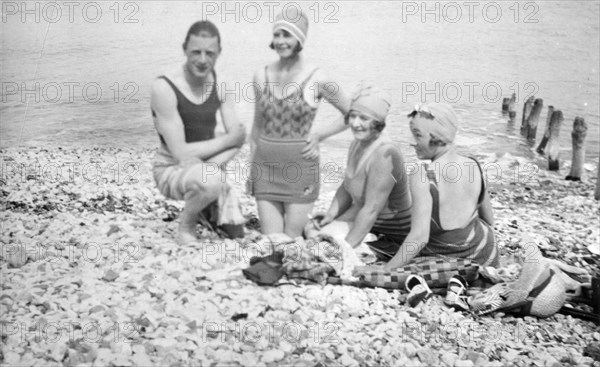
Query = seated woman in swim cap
x=374 y=195
x=451 y=215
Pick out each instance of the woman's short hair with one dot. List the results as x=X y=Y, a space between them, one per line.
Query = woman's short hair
x=202 y=26
x=376 y=124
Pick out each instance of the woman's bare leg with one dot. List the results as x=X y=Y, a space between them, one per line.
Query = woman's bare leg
x=271 y=215
x=296 y=217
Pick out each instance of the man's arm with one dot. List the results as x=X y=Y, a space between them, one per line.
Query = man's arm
x=169 y=125
x=232 y=125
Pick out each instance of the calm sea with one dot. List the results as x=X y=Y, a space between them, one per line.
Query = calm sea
x=94 y=62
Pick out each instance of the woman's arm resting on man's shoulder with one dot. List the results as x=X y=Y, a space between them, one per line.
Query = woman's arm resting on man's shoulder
x=420 y=222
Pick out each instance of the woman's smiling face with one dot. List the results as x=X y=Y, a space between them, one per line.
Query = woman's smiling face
x=284 y=43
x=362 y=126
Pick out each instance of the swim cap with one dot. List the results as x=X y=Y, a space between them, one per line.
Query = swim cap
x=297 y=27
x=371 y=101
x=444 y=123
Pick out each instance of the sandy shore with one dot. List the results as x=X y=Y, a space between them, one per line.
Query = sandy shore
x=105 y=284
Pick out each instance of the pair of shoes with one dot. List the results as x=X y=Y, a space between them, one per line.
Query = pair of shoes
x=456 y=295
x=418 y=290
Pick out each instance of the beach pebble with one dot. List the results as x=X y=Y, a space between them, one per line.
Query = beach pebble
x=448 y=358
x=346 y=360
x=16 y=255
x=273 y=356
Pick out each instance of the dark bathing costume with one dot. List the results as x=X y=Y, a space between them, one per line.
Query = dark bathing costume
x=473 y=241
x=393 y=225
x=199 y=122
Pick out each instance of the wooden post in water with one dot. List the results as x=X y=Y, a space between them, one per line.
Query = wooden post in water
x=511 y=107
x=553 y=142
x=526 y=111
x=532 y=120
x=578 y=139
x=505 y=103
x=597 y=193
x=542 y=146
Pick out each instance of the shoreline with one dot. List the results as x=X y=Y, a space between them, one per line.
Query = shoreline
x=101 y=252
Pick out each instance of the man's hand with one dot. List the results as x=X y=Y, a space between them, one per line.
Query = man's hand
x=311 y=150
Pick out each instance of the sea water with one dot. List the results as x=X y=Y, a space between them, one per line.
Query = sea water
x=80 y=73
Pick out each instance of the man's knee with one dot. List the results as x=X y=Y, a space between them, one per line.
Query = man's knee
x=206 y=188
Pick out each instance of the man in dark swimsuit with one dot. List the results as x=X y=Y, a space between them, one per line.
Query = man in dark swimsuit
x=184 y=106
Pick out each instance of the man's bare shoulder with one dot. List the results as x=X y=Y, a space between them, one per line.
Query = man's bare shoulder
x=161 y=87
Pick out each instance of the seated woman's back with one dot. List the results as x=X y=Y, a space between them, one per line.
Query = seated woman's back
x=460 y=185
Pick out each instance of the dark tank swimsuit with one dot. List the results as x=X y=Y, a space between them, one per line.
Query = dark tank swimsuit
x=473 y=241
x=199 y=122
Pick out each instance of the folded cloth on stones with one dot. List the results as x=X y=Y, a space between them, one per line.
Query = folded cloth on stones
x=316 y=258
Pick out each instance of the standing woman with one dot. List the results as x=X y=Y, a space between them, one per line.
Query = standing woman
x=284 y=146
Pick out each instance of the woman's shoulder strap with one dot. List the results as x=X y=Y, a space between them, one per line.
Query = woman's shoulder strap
x=483 y=184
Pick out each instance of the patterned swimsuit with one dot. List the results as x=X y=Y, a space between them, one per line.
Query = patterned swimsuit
x=279 y=173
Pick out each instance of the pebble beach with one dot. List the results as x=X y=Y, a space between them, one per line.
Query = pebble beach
x=92 y=276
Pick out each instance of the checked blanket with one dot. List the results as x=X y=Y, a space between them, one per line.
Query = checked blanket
x=436 y=271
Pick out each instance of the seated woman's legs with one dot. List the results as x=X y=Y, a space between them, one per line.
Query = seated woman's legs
x=270 y=214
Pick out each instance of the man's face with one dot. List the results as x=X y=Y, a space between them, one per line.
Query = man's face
x=202 y=52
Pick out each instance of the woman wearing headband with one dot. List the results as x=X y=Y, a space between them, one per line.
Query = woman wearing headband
x=374 y=196
x=284 y=144
x=452 y=215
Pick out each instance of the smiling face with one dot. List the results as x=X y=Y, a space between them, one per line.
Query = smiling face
x=284 y=43
x=362 y=126
x=202 y=51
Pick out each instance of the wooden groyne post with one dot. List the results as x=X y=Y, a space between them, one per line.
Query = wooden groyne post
x=553 y=147
x=527 y=106
x=533 y=118
x=597 y=193
x=540 y=149
x=578 y=140
x=508 y=106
